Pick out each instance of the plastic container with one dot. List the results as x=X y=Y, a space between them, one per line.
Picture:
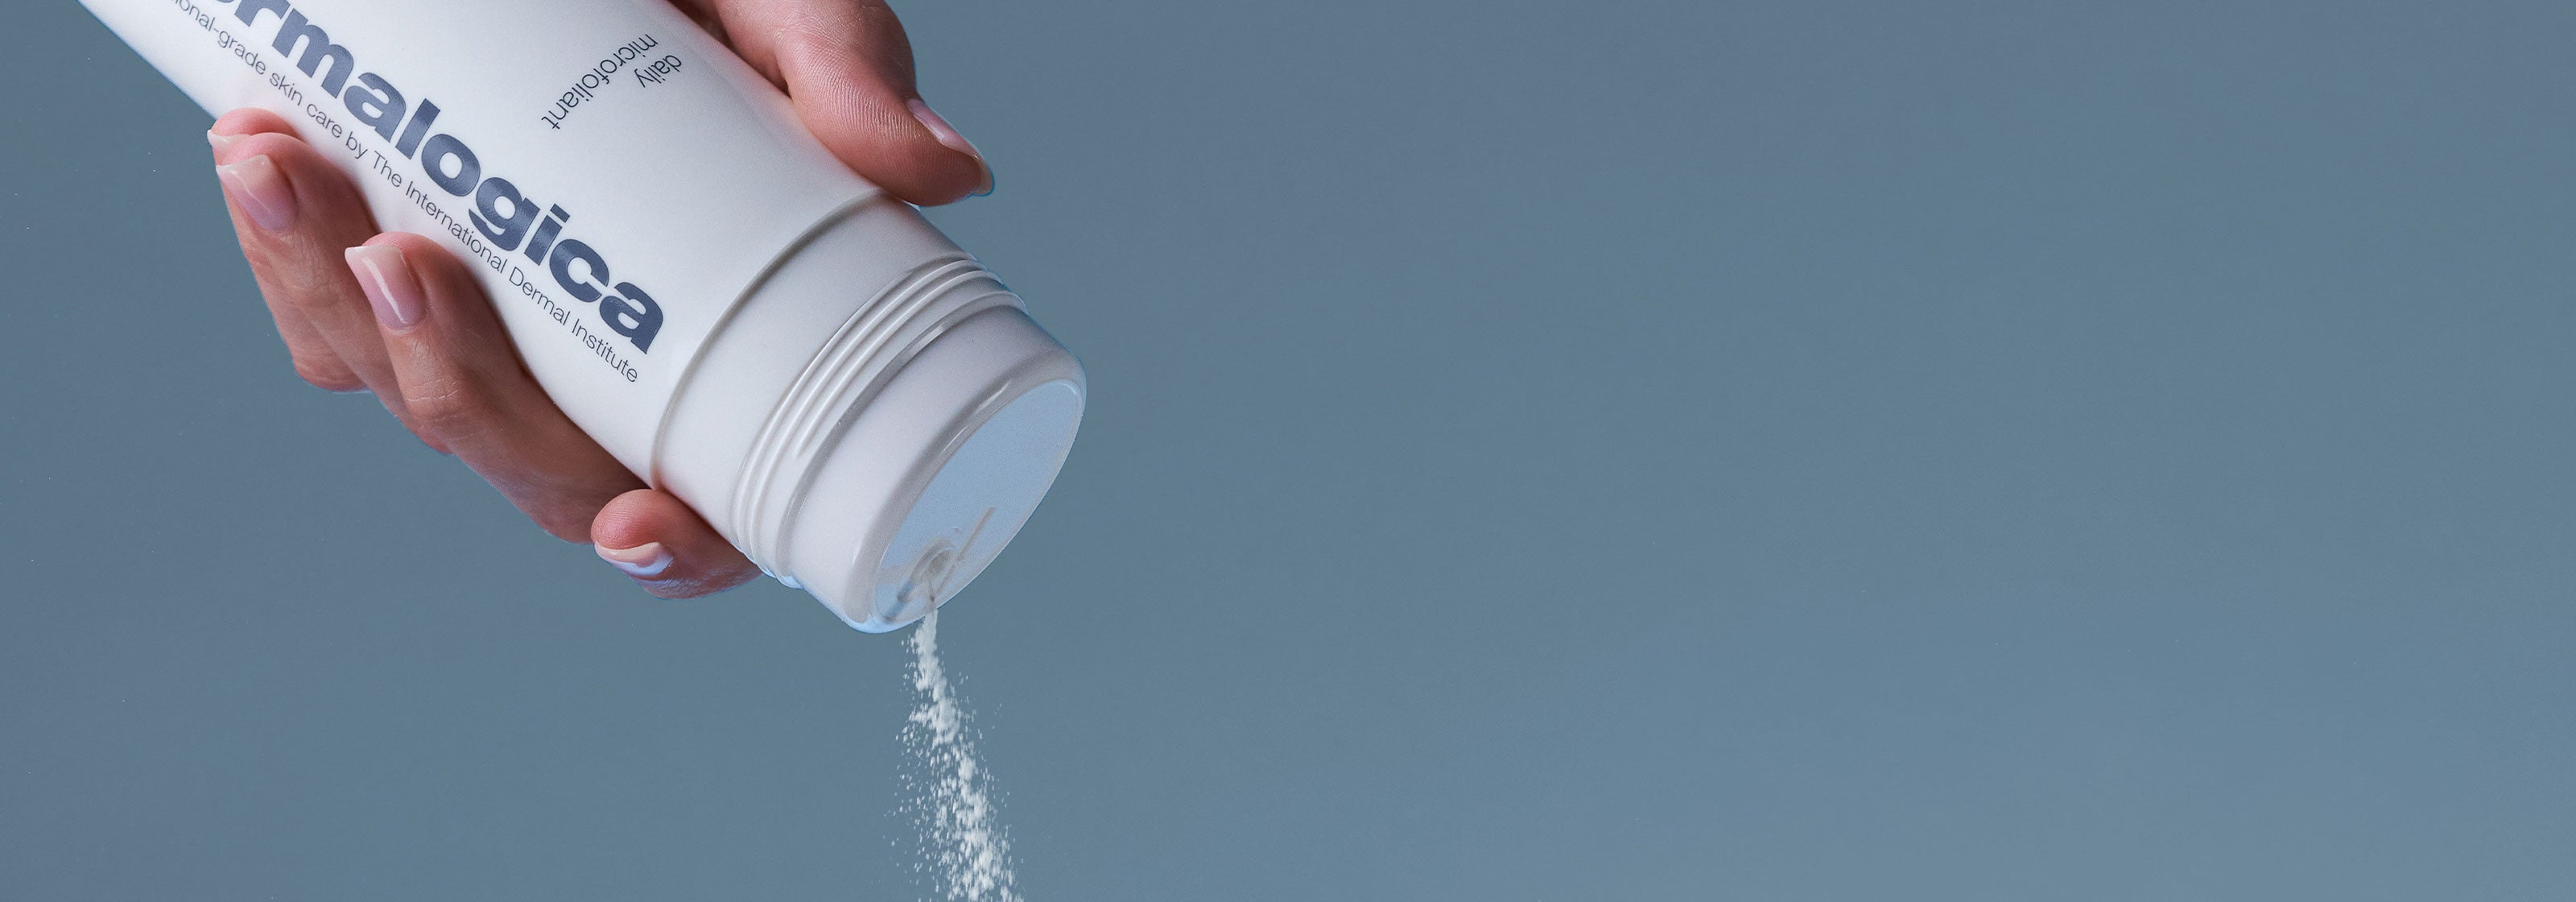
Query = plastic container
x=848 y=397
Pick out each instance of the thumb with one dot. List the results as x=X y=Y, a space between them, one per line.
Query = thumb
x=848 y=67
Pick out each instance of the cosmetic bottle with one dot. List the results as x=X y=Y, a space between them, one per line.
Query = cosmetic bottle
x=848 y=397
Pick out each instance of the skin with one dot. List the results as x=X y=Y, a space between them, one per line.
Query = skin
x=397 y=315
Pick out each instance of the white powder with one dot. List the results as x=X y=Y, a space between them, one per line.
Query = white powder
x=964 y=849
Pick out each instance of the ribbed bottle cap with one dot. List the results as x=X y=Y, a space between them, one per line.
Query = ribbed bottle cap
x=938 y=472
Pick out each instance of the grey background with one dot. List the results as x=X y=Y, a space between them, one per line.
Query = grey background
x=1783 y=451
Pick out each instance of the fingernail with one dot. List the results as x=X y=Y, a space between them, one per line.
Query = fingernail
x=221 y=143
x=261 y=191
x=386 y=278
x=948 y=137
x=644 y=561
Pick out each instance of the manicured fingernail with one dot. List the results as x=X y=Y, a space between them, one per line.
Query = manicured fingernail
x=949 y=138
x=644 y=561
x=222 y=143
x=386 y=278
x=261 y=191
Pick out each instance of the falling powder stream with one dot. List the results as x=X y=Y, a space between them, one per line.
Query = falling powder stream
x=964 y=849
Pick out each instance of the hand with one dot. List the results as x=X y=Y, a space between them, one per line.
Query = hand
x=399 y=316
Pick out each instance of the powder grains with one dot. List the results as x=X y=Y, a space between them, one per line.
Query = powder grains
x=964 y=850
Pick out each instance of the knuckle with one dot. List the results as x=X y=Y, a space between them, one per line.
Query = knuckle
x=453 y=408
x=308 y=290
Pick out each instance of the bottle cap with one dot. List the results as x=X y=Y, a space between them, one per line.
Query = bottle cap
x=875 y=420
x=938 y=471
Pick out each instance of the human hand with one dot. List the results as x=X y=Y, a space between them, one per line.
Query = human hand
x=400 y=316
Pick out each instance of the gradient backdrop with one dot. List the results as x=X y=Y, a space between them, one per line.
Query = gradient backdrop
x=1567 y=451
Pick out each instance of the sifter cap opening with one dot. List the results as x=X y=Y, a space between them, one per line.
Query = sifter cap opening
x=975 y=504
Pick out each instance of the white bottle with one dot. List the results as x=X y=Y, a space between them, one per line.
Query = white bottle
x=850 y=399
